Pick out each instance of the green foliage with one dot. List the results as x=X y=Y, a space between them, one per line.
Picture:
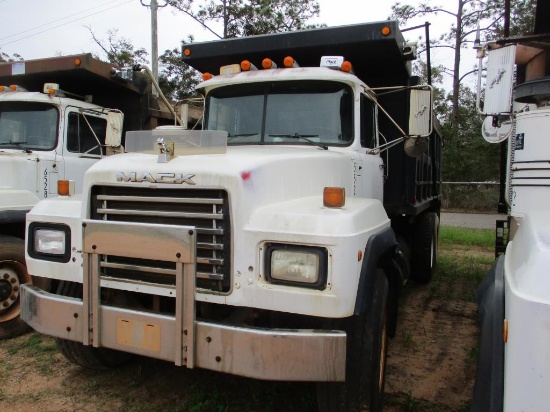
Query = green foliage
x=251 y=17
x=176 y=79
x=466 y=156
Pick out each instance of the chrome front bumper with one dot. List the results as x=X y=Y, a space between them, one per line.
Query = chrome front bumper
x=270 y=354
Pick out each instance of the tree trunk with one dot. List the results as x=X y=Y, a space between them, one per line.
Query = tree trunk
x=456 y=72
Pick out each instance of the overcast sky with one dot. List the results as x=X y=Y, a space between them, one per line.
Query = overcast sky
x=45 y=28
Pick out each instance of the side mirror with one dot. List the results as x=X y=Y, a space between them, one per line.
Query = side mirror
x=420 y=120
x=499 y=83
x=421 y=111
x=115 y=120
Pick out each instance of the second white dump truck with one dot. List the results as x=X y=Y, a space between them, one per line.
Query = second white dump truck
x=58 y=116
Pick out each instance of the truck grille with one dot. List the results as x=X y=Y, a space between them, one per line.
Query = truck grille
x=205 y=209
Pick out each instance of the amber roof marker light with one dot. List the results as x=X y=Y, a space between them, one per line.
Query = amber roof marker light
x=385 y=31
x=267 y=63
x=289 y=62
x=346 y=67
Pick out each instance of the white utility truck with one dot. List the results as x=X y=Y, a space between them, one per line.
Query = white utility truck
x=272 y=244
x=48 y=134
x=513 y=372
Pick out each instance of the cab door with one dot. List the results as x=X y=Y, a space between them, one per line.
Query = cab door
x=84 y=140
x=369 y=165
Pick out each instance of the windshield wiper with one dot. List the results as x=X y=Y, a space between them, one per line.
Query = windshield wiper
x=303 y=137
x=232 y=136
x=12 y=143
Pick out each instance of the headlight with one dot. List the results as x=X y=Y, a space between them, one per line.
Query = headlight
x=49 y=241
x=289 y=264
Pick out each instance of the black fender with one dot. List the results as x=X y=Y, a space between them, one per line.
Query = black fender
x=13 y=216
x=378 y=252
x=12 y=223
x=489 y=384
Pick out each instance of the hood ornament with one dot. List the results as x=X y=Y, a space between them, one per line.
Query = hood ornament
x=166 y=150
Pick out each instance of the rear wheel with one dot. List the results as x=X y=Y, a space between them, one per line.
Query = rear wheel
x=82 y=355
x=367 y=345
x=424 y=247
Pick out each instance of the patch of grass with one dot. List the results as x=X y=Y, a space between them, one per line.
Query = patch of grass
x=457 y=277
x=41 y=349
x=466 y=237
x=465 y=257
x=33 y=344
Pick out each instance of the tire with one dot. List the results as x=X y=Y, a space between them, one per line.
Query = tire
x=366 y=352
x=424 y=248
x=87 y=356
x=13 y=274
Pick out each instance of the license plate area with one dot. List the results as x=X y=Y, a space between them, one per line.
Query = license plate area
x=138 y=334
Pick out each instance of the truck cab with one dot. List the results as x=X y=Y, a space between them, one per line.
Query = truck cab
x=47 y=136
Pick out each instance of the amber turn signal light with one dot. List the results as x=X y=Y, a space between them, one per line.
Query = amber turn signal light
x=334 y=196
x=65 y=187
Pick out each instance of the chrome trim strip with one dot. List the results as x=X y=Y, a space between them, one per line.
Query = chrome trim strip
x=148 y=269
x=133 y=212
x=147 y=199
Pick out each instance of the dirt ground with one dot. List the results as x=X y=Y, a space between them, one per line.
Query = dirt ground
x=431 y=360
x=431 y=366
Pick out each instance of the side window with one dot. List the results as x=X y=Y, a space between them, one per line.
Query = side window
x=80 y=138
x=368 y=123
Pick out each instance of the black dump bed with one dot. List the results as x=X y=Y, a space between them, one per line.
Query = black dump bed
x=375 y=57
x=85 y=75
x=413 y=184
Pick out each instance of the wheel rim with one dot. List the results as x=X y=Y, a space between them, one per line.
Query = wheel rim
x=12 y=276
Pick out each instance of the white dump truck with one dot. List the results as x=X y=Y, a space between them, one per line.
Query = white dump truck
x=273 y=243
x=513 y=372
x=58 y=116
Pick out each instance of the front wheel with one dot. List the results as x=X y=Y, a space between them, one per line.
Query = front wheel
x=366 y=351
x=13 y=274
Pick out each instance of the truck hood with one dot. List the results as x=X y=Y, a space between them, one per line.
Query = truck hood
x=18 y=186
x=253 y=175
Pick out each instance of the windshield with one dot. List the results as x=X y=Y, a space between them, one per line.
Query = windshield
x=299 y=112
x=28 y=125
